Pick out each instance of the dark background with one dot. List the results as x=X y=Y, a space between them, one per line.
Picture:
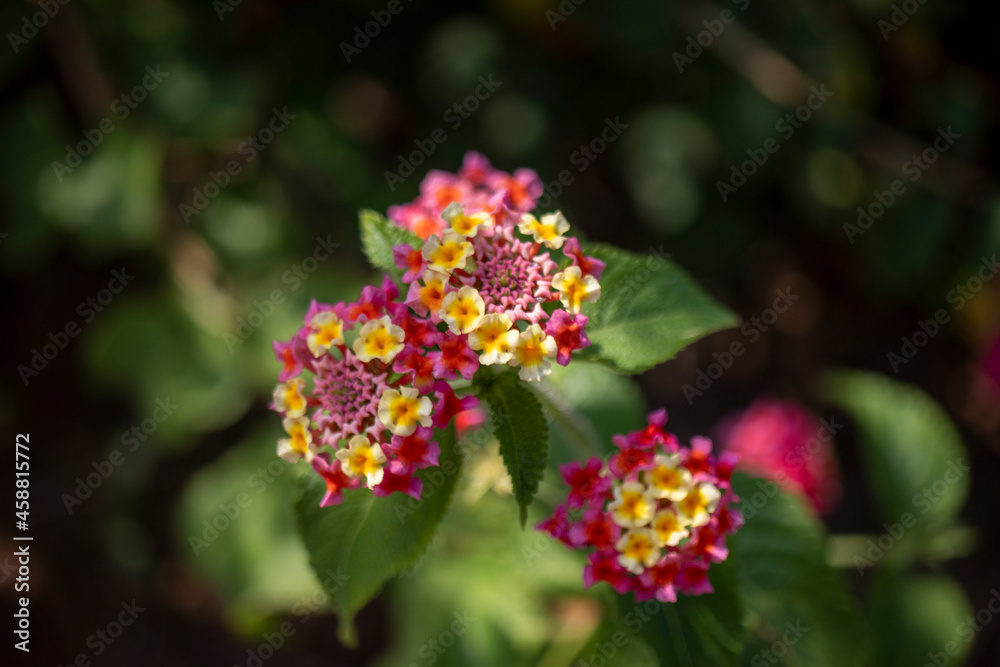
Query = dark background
x=655 y=186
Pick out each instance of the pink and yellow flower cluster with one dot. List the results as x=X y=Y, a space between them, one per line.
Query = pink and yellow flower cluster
x=655 y=516
x=489 y=275
x=369 y=417
x=476 y=187
x=483 y=289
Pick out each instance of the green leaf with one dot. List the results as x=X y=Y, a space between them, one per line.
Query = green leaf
x=788 y=587
x=918 y=615
x=698 y=631
x=912 y=451
x=616 y=643
x=369 y=540
x=522 y=430
x=379 y=235
x=649 y=310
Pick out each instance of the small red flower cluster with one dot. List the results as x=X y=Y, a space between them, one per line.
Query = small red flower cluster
x=656 y=515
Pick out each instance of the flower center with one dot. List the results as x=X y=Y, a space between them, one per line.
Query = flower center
x=349 y=395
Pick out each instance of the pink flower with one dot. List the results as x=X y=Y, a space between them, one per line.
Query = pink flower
x=294 y=355
x=585 y=481
x=568 y=332
x=454 y=358
x=658 y=581
x=336 y=480
x=596 y=530
x=693 y=579
x=709 y=543
x=523 y=187
x=368 y=307
x=469 y=420
x=604 y=566
x=416 y=450
x=419 y=331
x=414 y=360
x=403 y=482
x=783 y=442
x=654 y=519
x=410 y=260
x=476 y=168
x=439 y=188
x=590 y=266
x=654 y=434
x=629 y=460
x=449 y=404
x=418 y=218
x=699 y=459
x=557 y=525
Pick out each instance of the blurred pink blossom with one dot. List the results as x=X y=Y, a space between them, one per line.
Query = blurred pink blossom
x=784 y=442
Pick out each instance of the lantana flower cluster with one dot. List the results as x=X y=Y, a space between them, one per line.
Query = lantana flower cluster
x=491 y=278
x=373 y=402
x=655 y=516
x=482 y=290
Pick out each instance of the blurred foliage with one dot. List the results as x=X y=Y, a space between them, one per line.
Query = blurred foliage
x=914 y=456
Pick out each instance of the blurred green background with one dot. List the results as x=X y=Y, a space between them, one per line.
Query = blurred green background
x=194 y=325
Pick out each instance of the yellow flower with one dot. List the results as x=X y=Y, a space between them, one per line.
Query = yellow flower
x=362 y=458
x=638 y=550
x=466 y=225
x=669 y=528
x=549 y=230
x=533 y=346
x=431 y=293
x=402 y=410
x=575 y=288
x=327 y=330
x=633 y=505
x=379 y=339
x=289 y=398
x=300 y=443
x=669 y=479
x=699 y=503
x=447 y=254
x=495 y=338
x=463 y=310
